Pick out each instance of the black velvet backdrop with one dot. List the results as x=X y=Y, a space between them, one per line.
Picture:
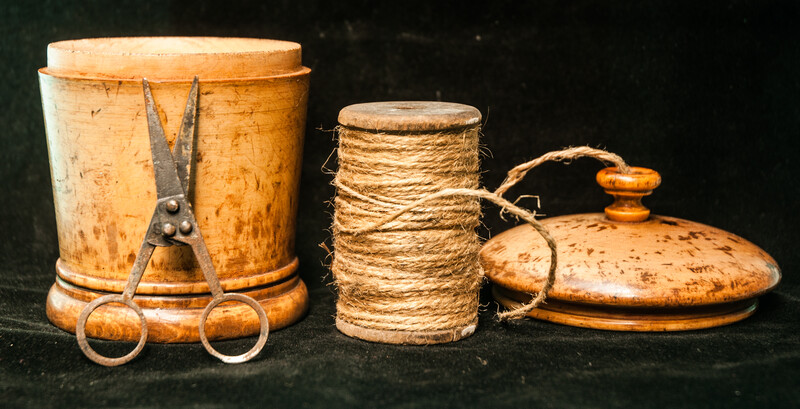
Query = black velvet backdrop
x=707 y=93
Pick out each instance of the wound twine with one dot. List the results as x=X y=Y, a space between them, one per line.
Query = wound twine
x=419 y=271
x=405 y=247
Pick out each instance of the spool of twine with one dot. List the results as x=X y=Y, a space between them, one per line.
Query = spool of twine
x=405 y=258
x=414 y=279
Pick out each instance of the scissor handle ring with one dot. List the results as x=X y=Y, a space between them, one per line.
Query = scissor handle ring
x=80 y=330
x=262 y=336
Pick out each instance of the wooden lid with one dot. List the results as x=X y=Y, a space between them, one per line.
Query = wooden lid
x=409 y=116
x=661 y=262
x=172 y=58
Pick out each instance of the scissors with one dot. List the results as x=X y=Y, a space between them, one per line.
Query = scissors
x=173 y=224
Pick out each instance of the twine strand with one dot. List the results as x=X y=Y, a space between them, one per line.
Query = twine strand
x=504 y=204
x=406 y=206
x=518 y=172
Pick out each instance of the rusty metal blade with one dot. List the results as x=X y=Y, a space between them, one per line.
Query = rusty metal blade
x=167 y=181
x=183 y=152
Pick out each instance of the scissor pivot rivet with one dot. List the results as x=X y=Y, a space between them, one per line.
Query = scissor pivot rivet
x=186 y=227
x=168 y=229
x=172 y=206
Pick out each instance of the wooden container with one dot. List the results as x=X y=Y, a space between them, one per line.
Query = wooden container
x=250 y=129
x=627 y=270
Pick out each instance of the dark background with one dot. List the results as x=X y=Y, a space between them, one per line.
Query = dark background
x=707 y=93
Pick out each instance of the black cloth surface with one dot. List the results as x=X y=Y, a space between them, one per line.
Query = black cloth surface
x=707 y=93
x=523 y=364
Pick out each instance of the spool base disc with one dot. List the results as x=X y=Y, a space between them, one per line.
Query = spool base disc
x=630 y=319
x=176 y=318
x=405 y=337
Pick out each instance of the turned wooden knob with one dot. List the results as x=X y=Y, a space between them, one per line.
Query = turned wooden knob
x=628 y=190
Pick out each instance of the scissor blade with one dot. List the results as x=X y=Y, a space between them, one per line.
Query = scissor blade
x=139 y=267
x=204 y=261
x=167 y=181
x=183 y=152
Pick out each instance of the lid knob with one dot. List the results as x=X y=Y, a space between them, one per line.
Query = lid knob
x=628 y=189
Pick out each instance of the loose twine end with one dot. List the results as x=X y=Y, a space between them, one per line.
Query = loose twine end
x=514 y=176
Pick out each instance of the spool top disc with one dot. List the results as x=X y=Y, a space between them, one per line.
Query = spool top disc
x=409 y=116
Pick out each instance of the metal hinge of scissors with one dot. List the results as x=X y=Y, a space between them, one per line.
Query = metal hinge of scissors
x=173 y=224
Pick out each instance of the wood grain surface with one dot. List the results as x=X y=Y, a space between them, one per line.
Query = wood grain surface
x=663 y=262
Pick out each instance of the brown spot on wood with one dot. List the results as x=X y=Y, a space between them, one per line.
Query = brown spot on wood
x=669 y=222
x=699 y=269
x=498 y=247
x=497 y=269
x=589 y=252
x=647 y=277
x=718 y=286
x=255 y=230
x=692 y=235
x=111 y=239
x=523 y=257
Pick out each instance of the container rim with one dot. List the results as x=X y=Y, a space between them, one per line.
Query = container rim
x=173 y=58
